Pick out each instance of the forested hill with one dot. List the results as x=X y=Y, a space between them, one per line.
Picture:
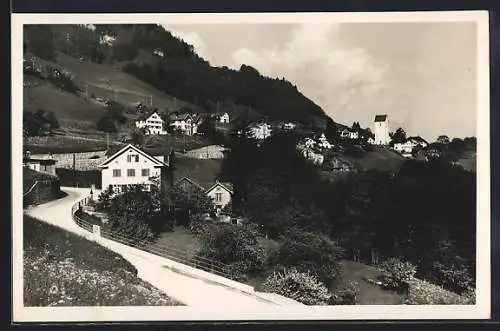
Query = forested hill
x=154 y=55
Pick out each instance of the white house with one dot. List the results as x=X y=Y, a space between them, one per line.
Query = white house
x=186 y=123
x=46 y=165
x=261 y=131
x=220 y=193
x=130 y=166
x=371 y=140
x=349 y=134
x=410 y=143
x=323 y=142
x=381 y=129
x=289 y=126
x=223 y=118
x=152 y=122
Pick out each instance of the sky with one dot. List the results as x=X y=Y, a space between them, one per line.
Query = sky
x=422 y=75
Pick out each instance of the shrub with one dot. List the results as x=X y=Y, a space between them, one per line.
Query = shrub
x=346 y=295
x=424 y=293
x=301 y=286
x=453 y=277
x=396 y=273
x=104 y=200
x=228 y=244
x=106 y=124
x=309 y=251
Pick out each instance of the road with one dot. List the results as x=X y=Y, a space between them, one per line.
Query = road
x=188 y=290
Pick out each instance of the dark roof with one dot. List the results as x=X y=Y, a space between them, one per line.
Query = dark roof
x=41 y=161
x=150 y=150
x=208 y=185
x=380 y=118
x=146 y=115
x=417 y=138
x=137 y=149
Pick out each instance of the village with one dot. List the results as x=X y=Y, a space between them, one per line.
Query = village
x=131 y=165
x=139 y=155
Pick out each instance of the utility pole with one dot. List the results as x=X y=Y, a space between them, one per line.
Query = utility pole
x=74 y=170
x=107 y=141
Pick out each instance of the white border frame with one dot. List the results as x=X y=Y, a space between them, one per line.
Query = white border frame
x=481 y=310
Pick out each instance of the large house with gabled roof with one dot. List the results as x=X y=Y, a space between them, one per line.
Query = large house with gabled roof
x=151 y=122
x=131 y=166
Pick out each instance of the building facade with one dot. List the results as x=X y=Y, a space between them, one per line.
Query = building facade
x=130 y=166
x=152 y=123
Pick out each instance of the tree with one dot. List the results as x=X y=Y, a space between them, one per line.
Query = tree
x=130 y=213
x=52 y=119
x=309 y=251
x=191 y=202
x=137 y=137
x=106 y=124
x=232 y=245
x=398 y=137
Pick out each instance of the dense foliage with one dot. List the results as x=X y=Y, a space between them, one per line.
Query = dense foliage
x=234 y=246
x=300 y=286
x=39 y=123
x=425 y=213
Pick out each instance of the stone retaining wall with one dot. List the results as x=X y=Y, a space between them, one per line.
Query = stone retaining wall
x=83 y=161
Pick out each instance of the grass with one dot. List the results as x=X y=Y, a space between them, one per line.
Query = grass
x=64 y=105
x=379 y=159
x=63 y=269
x=202 y=171
x=30 y=176
x=369 y=294
x=65 y=144
x=128 y=88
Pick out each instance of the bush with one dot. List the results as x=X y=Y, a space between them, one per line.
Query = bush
x=106 y=124
x=300 y=286
x=309 y=251
x=229 y=244
x=424 y=293
x=395 y=273
x=453 y=277
x=347 y=295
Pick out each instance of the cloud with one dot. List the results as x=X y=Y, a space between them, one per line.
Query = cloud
x=335 y=76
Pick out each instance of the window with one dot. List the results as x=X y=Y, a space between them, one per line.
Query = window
x=132 y=158
x=131 y=172
x=117 y=172
x=145 y=172
x=218 y=197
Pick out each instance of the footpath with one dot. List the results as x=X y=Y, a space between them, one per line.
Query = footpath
x=188 y=285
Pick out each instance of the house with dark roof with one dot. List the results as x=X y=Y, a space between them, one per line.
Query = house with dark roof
x=46 y=165
x=151 y=122
x=132 y=166
x=185 y=123
x=221 y=193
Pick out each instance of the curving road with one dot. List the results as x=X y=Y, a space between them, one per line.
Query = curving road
x=188 y=290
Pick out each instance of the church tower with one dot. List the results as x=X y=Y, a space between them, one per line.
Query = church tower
x=381 y=130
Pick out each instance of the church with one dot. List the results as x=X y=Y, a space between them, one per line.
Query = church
x=381 y=130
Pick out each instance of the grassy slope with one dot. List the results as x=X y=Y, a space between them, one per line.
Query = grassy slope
x=30 y=176
x=379 y=159
x=202 y=171
x=62 y=269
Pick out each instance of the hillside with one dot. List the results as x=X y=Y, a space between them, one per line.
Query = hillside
x=62 y=269
x=162 y=66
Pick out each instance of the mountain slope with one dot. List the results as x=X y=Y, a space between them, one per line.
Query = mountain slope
x=160 y=63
